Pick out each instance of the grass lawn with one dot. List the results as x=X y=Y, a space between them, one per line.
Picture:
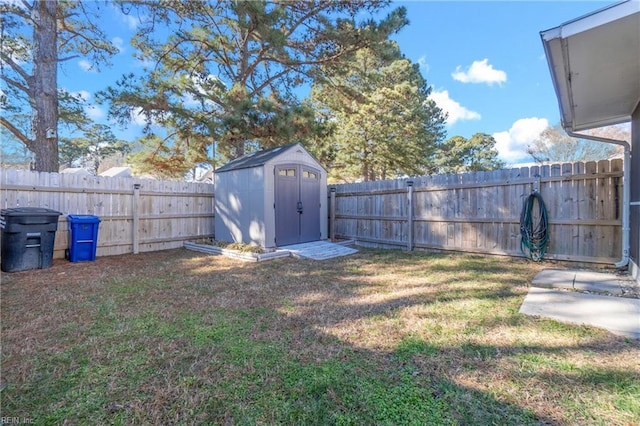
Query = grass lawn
x=376 y=338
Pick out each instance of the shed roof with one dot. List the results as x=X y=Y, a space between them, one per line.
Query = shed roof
x=255 y=159
x=595 y=66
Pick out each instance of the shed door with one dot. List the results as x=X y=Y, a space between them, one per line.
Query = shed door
x=297 y=204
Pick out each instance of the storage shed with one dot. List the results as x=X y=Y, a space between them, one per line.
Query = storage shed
x=271 y=198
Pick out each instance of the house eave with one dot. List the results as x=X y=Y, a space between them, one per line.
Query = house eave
x=595 y=63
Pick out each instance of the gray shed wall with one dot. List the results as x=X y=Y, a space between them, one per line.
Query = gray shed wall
x=245 y=198
x=240 y=206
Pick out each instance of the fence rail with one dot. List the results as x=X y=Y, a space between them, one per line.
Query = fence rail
x=480 y=212
x=136 y=215
x=472 y=212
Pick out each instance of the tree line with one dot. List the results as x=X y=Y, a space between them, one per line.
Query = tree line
x=224 y=79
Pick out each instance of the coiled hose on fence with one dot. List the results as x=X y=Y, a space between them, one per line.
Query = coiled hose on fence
x=534 y=239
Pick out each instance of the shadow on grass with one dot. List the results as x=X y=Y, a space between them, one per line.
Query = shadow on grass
x=179 y=337
x=187 y=371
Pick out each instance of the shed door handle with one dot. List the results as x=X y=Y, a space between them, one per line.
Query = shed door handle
x=299 y=206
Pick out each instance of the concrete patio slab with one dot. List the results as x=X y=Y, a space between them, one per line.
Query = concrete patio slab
x=582 y=280
x=619 y=315
x=319 y=250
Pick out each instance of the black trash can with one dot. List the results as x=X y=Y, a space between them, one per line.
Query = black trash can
x=28 y=234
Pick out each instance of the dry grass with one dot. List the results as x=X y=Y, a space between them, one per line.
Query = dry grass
x=378 y=337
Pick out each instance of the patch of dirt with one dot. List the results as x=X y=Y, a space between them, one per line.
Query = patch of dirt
x=64 y=272
x=630 y=288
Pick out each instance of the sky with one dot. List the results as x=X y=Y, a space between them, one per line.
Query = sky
x=484 y=62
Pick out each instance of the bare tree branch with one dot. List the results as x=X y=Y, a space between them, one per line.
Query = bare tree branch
x=68 y=58
x=16 y=132
x=15 y=67
x=16 y=84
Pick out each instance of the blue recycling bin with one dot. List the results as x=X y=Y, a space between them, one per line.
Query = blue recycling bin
x=83 y=237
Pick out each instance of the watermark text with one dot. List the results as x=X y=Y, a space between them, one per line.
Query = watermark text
x=7 y=420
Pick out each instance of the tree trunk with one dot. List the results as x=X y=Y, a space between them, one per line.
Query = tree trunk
x=45 y=87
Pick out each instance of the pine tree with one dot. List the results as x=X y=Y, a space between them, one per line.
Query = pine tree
x=459 y=154
x=384 y=124
x=229 y=70
x=36 y=37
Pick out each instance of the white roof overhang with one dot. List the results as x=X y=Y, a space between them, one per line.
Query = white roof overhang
x=595 y=66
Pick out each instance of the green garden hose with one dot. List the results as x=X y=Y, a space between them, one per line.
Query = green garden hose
x=534 y=239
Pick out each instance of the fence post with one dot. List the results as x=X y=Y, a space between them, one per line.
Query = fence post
x=410 y=215
x=332 y=214
x=134 y=211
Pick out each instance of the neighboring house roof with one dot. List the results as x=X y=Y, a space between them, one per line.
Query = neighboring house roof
x=255 y=159
x=206 y=176
x=117 y=172
x=595 y=66
x=75 y=171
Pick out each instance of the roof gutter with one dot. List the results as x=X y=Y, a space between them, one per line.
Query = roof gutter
x=626 y=190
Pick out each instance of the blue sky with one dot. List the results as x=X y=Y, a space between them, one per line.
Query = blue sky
x=484 y=61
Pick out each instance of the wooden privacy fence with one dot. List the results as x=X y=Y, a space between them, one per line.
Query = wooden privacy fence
x=135 y=214
x=480 y=212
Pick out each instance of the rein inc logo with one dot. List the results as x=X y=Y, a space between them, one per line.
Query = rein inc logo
x=16 y=420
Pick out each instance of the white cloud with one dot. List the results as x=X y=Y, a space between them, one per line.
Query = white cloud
x=422 y=62
x=138 y=118
x=95 y=113
x=118 y=43
x=512 y=144
x=454 y=110
x=146 y=64
x=130 y=21
x=82 y=94
x=189 y=100
x=204 y=86
x=480 y=72
x=86 y=66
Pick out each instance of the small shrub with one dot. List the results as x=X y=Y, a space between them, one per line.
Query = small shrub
x=241 y=247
